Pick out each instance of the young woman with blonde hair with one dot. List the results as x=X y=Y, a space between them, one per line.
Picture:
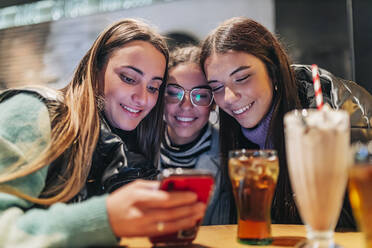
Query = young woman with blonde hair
x=88 y=139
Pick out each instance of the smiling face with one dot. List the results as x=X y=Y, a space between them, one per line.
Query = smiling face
x=241 y=86
x=131 y=79
x=184 y=120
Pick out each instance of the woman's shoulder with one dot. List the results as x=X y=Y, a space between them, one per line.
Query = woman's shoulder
x=18 y=97
x=336 y=91
x=303 y=75
x=22 y=107
x=24 y=120
x=28 y=104
x=24 y=133
x=339 y=93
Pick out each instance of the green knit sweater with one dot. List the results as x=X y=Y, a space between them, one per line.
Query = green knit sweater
x=24 y=132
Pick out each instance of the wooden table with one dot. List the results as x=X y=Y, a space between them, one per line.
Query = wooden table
x=224 y=236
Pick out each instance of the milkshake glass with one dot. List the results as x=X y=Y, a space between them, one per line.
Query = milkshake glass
x=318 y=156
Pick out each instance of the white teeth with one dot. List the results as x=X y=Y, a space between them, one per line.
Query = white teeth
x=187 y=119
x=130 y=109
x=239 y=111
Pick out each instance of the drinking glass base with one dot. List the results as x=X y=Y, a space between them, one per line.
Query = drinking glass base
x=318 y=239
x=312 y=244
x=255 y=241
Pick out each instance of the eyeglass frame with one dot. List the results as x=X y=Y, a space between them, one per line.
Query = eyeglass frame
x=189 y=91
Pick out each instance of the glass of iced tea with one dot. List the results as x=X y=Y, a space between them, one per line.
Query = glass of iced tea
x=253 y=175
x=360 y=189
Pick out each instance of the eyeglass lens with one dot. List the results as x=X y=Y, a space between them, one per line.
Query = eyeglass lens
x=198 y=96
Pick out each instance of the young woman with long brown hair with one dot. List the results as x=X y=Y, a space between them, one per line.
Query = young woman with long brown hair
x=81 y=142
x=254 y=85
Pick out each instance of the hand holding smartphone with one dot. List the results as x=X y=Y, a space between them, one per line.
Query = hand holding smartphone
x=198 y=181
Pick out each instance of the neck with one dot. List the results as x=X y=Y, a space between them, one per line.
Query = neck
x=185 y=155
x=179 y=140
x=258 y=134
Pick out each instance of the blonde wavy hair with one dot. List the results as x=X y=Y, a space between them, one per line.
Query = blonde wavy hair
x=75 y=120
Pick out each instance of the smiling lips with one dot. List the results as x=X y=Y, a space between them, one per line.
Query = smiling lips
x=242 y=110
x=131 y=110
x=185 y=119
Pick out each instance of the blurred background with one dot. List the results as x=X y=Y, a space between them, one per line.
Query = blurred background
x=42 y=41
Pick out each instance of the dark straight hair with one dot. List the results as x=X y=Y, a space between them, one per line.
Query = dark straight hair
x=245 y=35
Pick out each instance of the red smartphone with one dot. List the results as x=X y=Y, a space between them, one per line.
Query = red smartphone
x=199 y=181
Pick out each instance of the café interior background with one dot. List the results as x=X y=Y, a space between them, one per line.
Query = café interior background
x=42 y=41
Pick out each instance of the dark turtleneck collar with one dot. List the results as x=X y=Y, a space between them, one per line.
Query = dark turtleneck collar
x=259 y=133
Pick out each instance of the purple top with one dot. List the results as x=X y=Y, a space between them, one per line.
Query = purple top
x=258 y=134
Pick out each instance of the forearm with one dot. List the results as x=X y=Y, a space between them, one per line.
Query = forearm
x=73 y=225
x=24 y=133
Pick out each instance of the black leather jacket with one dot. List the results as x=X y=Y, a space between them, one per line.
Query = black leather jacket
x=113 y=165
x=339 y=94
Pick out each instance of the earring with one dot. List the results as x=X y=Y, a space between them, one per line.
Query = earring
x=213 y=116
x=276 y=87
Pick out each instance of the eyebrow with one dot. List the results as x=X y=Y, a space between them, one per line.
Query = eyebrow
x=239 y=69
x=135 y=69
x=212 y=81
x=141 y=72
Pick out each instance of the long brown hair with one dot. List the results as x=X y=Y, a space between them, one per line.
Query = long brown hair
x=75 y=119
x=246 y=35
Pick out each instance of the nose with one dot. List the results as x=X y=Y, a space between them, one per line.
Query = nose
x=230 y=95
x=140 y=95
x=186 y=101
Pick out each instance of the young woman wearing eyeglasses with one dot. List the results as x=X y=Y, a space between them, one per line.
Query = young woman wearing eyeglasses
x=190 y=140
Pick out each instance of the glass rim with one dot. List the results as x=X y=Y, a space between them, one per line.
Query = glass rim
x=306 y=116
x=252 y=151
x=305 y=112
x=184 y=172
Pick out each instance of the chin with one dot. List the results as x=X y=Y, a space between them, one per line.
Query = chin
x=248 y=125
x=128 y=127
x=187 y=135
x=184 y=135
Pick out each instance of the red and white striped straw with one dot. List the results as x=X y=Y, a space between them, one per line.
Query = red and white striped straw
x=317 y=87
